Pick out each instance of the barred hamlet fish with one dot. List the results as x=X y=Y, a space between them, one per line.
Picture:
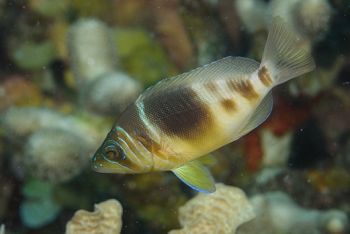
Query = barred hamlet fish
x=174 y=124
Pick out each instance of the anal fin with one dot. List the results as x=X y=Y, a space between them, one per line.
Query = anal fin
x=196 y=175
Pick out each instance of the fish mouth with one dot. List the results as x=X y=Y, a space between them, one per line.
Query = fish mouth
x=99 y=164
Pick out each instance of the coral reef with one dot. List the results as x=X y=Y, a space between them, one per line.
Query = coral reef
x=277 y=213
x=219 y=212
x=56 y=155
x=58 y=101
x=106 y=218
x=49 y=146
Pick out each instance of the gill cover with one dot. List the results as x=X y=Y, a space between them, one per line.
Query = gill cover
x=122 y=153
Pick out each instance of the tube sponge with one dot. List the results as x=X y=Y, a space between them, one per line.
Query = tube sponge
x=91 y=50
x=102 y=90
x=55 y=155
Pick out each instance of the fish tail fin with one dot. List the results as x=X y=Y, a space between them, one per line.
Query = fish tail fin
x=282 y=57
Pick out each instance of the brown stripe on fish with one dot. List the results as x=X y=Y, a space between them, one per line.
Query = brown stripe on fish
x=179 y=113
x=229 y=105
x=244 y=88
x=265 y=77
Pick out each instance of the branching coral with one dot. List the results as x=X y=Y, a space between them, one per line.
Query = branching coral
x=219 y=212
x=106 y=219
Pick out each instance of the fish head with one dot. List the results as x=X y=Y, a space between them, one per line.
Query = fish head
x=122 y=153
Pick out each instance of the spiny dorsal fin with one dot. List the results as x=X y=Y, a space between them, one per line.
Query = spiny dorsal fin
x=260 y=115
x=197 y=176
x=226 y=68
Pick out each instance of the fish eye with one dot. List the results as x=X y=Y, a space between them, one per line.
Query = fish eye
x=113 y=152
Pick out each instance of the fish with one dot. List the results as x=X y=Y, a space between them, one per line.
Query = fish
x=175 y=124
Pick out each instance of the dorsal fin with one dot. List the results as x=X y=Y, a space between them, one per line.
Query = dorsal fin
x=226 y=68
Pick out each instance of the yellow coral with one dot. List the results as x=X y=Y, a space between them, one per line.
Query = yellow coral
x=219 y=212
x=106 y=219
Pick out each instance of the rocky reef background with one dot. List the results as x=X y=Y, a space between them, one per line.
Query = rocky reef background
x=69 y=67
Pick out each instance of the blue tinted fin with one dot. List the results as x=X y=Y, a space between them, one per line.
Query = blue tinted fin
x=197 y=176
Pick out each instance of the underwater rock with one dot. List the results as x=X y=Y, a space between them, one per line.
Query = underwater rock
x=110 y=94
x=219 y=212
x=277 y=213
x=106 y=218
x=55 y=155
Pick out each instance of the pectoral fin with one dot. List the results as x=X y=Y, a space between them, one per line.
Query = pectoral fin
x=196 y=175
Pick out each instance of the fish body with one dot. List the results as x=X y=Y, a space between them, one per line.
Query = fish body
x=174 y=124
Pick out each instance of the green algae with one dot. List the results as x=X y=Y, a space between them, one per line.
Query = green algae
x=141 y=56
x=33 y=56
